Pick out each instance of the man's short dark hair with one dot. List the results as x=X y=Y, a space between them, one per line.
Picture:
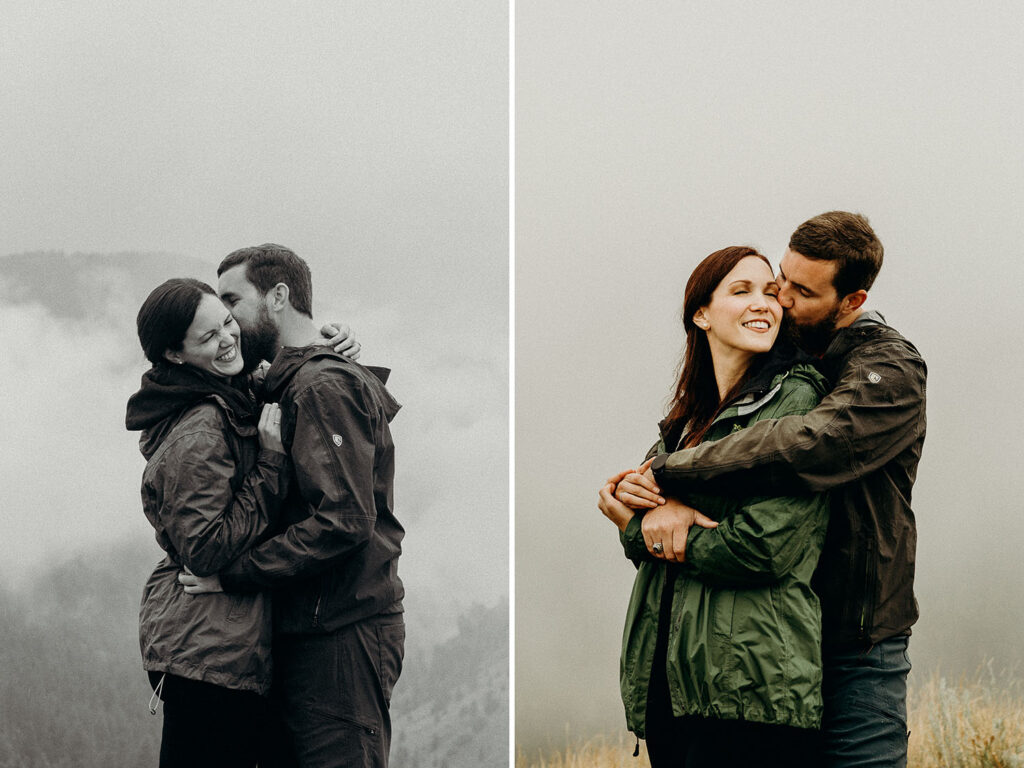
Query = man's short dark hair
x=269 y=264
x=846 y=238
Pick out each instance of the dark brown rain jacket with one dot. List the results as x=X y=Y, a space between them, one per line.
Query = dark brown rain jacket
x=862 y=443
x=336 y=562
x=210 y=494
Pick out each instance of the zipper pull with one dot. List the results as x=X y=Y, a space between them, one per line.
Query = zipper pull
x=154 y=700
x=636 y=750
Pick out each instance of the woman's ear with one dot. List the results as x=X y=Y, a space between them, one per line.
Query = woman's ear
x=701 y=320
x=173 y=357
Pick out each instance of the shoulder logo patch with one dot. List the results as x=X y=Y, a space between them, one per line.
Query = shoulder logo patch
x=873 y=377
x=337 y=440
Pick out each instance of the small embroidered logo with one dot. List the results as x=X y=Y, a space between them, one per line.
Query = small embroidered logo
x=336 y=439
x=873 y=377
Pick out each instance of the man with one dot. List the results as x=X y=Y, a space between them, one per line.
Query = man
x=339 y=631
x=862 y=443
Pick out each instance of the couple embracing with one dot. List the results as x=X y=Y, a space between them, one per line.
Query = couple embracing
x=771 y=523
x=273 y=629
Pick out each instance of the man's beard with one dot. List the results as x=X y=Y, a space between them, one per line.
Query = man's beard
x=813 y=338
x=259 y=342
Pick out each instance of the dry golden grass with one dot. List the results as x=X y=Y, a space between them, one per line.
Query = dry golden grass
x=973 y=723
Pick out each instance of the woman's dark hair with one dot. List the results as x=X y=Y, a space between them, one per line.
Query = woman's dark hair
x=167 y=313
x=695 y=402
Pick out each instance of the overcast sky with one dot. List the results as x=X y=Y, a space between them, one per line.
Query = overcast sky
x=649 y=135
x=371 y=138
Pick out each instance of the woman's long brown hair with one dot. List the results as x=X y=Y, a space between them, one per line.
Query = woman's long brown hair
x=695 y=402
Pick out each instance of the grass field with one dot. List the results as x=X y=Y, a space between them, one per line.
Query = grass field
x=968 y=723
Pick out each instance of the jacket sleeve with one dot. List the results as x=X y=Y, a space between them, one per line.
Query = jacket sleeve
x=875 y=411
x=761 y=538
x=206 y=523
x=333 y=450
x=757 y=544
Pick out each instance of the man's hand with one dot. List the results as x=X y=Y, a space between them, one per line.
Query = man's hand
x=340 y=338
x=611 y=507
x=199 y=585
x=638 y=489
x=668 y=525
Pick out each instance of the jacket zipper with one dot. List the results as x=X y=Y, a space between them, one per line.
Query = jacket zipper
x=867 y=595
x=349 y=721
x=316 y=608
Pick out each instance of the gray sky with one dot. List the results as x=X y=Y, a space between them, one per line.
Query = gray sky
x=655 y=133
x=372 y=138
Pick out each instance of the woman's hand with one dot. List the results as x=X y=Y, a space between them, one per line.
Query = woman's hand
x=611 y=507
x=341 y=339
x=270 y=428
x=638 y=489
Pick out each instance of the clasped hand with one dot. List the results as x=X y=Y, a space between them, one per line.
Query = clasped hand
x=666 y=523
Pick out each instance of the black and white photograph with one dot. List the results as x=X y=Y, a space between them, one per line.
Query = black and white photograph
x=255 y=321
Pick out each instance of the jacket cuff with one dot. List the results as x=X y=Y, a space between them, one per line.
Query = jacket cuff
x=658 y=466
x=632 y=539
x=275 y=459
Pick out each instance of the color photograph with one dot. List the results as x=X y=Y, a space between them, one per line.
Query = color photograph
x=695 y=185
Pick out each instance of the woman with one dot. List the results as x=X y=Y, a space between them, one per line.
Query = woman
x=721 y=661
x=216 y=473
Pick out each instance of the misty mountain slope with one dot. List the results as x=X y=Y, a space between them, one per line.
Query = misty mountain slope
x=73 y=692
x=453 y=712
x=93 y=286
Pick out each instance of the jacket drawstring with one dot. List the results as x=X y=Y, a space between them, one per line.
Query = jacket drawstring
x=154 y=700
x=636 y=750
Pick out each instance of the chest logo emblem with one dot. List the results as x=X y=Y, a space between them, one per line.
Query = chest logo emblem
x=873 y=377
x=337 y=440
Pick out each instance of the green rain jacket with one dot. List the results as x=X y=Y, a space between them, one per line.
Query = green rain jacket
x=745 y=631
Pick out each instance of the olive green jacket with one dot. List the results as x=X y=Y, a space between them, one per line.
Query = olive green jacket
x=745 y=632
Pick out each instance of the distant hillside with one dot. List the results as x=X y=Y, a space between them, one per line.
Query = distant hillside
x=73 y=692
x=93 y=286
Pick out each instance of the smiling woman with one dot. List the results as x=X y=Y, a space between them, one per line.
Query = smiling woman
x=216 y=473
x=212 y=340
x=731 y=636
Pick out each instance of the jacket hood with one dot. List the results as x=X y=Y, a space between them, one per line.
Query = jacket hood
x=167 y=391
x=290 y=359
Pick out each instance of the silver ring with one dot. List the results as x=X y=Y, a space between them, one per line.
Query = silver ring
x=658 y=548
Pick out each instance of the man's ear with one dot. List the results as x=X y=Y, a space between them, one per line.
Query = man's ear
x=277 y=297
x=852 y=302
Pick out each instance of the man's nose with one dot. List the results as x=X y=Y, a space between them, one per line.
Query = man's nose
x=785 y=297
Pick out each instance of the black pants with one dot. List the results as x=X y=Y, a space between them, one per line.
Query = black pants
x=335 y=692
x=702 y=742
x=207 y=726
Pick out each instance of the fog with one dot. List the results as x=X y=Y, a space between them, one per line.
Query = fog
x=650 y=137
x=371 y=139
